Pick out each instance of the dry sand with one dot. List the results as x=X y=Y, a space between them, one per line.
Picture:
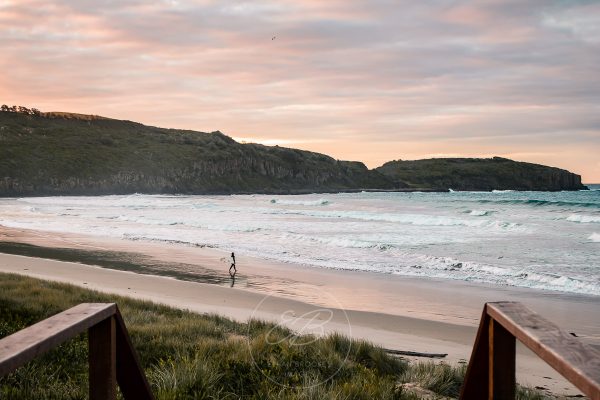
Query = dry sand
x=396 y=312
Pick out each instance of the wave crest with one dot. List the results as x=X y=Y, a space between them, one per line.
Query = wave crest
x=479 y=213
x=319 y=202
x=594 y=237
x=539 y=203
x=583 y=219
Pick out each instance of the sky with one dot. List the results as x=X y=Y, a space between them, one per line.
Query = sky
x=371 y=81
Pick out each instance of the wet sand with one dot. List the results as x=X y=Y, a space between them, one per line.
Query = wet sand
x=396 y=312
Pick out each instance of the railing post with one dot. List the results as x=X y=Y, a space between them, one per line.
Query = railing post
x=130 y=374
x=475 y=385
x=112 y=357
x=502 y=347
x=102 y=360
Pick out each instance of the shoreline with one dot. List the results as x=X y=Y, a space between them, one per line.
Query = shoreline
x=421 y=297
x=298 y=192
x=395 y=312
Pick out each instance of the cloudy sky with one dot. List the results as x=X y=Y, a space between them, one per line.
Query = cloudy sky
x=361 y=80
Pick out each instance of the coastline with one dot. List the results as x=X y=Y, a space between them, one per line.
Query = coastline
x=396 y=312
x=296 y=192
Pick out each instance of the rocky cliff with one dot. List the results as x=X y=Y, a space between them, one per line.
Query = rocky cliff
x=75 y=154
x=62 y=153
x=480 y=174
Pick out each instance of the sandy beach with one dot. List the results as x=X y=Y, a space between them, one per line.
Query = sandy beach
x=396 y=312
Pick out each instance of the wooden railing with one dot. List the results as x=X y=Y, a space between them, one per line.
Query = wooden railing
x=112 y=357
x=490 y=374
x=491 y=370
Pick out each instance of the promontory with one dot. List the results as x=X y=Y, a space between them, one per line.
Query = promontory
x=74 y=154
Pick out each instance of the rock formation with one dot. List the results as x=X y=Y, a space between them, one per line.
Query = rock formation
x=75 y=154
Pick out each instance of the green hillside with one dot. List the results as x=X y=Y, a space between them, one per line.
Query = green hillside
x=60 y=153
x=480 y=174
x=74 y=154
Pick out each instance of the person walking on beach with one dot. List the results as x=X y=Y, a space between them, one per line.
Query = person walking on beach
x=232 y=265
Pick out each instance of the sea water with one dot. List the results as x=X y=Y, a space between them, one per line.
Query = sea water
x=541 y=240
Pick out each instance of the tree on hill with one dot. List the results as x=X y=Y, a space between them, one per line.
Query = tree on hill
x=20 y=109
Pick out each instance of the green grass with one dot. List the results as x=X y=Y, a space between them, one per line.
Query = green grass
x=439 y=378
x=191 y=356
x=187 y=355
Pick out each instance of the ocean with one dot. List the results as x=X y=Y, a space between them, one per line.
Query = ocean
x=539 y=240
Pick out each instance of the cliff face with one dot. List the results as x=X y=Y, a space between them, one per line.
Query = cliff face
x=60 y=154
x=480 y=174
x=73 y=154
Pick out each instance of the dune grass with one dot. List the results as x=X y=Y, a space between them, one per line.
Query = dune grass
x=187 y=355
x=191 y=356
x=439 y=378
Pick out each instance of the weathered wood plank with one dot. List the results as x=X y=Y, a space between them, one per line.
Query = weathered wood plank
x=102 y=360
x=573 y=359
x=130 y=375
x=31 y=342
x=476 y=383
x=502 y=348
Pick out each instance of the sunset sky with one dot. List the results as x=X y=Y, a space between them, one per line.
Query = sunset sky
x=370 y=81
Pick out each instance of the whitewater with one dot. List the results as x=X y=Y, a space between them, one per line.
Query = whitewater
x=538 y=240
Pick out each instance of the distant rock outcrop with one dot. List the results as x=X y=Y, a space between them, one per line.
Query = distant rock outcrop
x=480 y=174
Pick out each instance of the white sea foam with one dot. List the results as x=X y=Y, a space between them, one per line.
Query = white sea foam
x=515 y=241
x=584 y=219
x=479 y=213
x=319 y=202
x=412 y=219
x=345 y=242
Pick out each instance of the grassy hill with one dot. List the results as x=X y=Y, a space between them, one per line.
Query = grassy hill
x=480 y=174
x=59 y=153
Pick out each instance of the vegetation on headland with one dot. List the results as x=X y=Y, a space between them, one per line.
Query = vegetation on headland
x=480 y=174
x=192 y=356
x=57 y=153
x=60 y=153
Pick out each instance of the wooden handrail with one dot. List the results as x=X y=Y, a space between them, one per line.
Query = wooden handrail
x=490 y=374
x=112 y=358
x=491 y=370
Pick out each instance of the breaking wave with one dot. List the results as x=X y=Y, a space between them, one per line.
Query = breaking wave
x=320 y=202
x=584 y=219
x=479 y=213
x=539 y=203
x=410 y=219
x=478 y=237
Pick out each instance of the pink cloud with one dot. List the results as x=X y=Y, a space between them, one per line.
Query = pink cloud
x=365 y=80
